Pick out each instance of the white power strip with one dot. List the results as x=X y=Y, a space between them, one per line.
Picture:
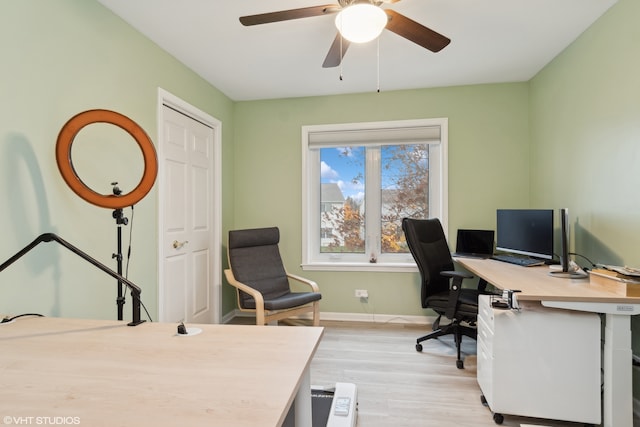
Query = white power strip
x=344 y=406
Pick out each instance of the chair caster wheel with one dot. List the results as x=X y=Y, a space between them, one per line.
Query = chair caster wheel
x=498 y=418
x=483 y=400
x=460 y=364
x=418 y=347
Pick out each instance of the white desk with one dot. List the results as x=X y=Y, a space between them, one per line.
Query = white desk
x=108 y=374
x=537 y=285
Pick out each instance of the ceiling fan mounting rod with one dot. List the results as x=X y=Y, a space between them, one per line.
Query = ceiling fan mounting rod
x=346 y=3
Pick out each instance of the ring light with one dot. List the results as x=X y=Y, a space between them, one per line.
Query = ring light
x=63 y=158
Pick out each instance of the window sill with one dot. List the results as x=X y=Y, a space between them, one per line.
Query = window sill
x=354 y=266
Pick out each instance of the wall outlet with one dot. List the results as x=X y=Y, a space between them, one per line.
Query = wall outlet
x=361 y=293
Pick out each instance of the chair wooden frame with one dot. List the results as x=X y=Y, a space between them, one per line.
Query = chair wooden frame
x=264 y=316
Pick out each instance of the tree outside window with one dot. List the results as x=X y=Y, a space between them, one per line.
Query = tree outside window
x=404 y=192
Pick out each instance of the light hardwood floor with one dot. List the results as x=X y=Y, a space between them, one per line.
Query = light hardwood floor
x=398 y=386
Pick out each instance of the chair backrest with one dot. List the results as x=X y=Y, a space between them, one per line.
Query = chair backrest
x=255 y=260
x=430 y=250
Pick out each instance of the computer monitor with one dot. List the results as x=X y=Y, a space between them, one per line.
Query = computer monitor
x=564 y=239
x=566 y=271
x=525 y=232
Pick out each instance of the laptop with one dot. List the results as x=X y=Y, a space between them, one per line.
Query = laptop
x=474 y=244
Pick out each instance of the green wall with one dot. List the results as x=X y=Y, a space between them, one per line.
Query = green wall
x=585 y=115
x=60 y=58
x=488 y=167
x=585 y=144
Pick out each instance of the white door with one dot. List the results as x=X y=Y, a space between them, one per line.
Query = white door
x=189 y=238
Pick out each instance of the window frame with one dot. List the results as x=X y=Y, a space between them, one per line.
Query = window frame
x=312 y=259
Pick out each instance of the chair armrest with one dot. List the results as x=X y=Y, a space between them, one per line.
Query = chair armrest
x=458 y=274
x=454 y=290
x=482 y=284
x=255 y=294
x=313 y=285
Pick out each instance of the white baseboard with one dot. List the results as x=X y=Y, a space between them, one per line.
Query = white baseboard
x=377 y=318
x=234 y=313
x=352 y=317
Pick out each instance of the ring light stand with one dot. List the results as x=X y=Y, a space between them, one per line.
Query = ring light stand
x=118 y=215
x=117 y=200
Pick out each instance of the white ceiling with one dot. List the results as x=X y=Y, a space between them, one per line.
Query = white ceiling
x=491 y=41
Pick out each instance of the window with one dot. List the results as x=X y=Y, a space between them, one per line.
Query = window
x=359 y=181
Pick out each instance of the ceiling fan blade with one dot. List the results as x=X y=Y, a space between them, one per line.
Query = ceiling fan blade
x=417 y=33
x=334 y=56
x=286 y=15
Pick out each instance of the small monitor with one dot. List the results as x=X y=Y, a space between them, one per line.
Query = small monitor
x=474 y=243
x=525 y=232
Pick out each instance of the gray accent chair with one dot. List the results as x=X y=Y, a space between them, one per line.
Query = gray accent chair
x=261 y=281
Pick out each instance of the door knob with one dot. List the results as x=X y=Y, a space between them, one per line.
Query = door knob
x=178 y=245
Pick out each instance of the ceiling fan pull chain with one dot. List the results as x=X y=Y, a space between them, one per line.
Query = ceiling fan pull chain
x=340 y=59
x=341 y=52
x=378 y=68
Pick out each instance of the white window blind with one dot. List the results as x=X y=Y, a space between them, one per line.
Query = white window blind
x=374 y=136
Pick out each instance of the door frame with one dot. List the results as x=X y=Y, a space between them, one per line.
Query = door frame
x=175 y=103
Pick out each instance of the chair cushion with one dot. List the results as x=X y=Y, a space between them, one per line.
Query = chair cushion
x=292 y=299
x=254 y=237
x=255 y=260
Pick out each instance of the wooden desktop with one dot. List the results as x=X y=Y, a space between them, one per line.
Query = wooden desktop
x=535 y=284
x=105 y=373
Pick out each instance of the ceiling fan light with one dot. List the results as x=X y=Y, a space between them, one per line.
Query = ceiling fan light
x=361 y=22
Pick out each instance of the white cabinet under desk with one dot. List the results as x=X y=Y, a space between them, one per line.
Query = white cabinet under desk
x=540 y=362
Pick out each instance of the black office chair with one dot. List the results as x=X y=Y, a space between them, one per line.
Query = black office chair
x=442 y=289
x=261 y=281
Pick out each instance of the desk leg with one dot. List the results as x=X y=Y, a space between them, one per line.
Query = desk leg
x=303 y=401
x=618 y=403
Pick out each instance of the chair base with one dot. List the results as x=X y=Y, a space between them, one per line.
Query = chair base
x=454 y=328
x=266 y=317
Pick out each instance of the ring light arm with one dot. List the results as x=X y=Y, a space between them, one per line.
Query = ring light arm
x=48 y=237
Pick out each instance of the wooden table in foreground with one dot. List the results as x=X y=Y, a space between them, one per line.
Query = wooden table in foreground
x=105 y=373
x=536 y=284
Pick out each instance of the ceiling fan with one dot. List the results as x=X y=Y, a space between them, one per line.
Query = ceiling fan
x=393 y=21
